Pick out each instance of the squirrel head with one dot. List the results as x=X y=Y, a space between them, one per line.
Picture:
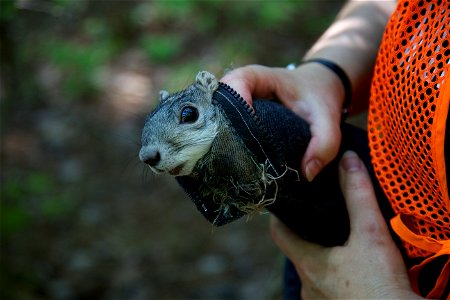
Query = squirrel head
x=182 y=128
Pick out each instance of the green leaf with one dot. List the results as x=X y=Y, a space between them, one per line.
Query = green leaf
x=39 y=184
x=12 y=219
x=7 y=10
x=55 y=207
x=162 y=48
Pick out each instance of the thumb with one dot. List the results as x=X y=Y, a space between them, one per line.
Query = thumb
x=364 y=212
x=240 y=82
x=323 y=146
x=252 y=80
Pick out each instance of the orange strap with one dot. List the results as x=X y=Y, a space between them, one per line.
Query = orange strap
x=439 y=139
x=428 y=244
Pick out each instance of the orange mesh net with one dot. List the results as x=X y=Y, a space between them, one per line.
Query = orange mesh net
x=407 y=122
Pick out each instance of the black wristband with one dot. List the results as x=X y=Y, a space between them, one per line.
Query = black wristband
x=344 y=79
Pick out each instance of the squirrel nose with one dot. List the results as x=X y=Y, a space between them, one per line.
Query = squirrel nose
x=151 y=157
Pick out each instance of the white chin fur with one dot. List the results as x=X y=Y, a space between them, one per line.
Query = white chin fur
x=182 y=163
x=156 y=171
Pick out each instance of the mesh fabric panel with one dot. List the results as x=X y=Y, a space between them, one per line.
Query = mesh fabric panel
x=408 y=108
x=407 y=120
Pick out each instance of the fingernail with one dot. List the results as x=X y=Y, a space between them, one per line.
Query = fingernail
x=312 y=168
x=351 y=162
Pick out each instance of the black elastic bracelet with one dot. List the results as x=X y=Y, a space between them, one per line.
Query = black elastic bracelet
x=344 y=79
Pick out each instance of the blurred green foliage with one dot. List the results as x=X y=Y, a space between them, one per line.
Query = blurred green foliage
x=7 y=10
x=78 y=63
x=162 y=48
x=78 y=38
x=34 y=197
x=29 y=202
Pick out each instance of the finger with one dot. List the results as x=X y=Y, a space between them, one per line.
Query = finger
x=299 y=251
x=323 y=147
x=364 y=212
x=252 y=80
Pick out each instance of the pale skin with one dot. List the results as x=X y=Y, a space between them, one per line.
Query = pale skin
x=369 y=264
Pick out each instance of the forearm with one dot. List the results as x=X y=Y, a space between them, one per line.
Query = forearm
x=352 y=42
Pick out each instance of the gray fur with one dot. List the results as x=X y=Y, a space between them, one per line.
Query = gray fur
x=181 y=145
x=207 y=82
x=209 y=151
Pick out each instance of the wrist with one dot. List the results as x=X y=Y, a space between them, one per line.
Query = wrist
x=323 y=84
x=343 y=78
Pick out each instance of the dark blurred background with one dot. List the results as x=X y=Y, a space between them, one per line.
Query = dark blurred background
x=81 y=217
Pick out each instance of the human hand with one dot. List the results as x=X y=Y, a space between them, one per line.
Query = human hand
x=369 y=265
x=312 y=91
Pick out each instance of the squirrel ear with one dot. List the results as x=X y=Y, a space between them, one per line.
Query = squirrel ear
x=207 y=81
x=163 y=95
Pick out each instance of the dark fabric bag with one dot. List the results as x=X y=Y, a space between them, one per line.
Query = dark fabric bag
x=254 y=164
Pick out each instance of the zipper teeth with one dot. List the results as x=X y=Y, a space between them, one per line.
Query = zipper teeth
x=279 y=159
x=247 y=107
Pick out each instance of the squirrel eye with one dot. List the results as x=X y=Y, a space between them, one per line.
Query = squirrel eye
x=188 y=114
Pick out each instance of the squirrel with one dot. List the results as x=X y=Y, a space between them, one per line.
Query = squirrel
x=182 y=128
x=235 y=159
